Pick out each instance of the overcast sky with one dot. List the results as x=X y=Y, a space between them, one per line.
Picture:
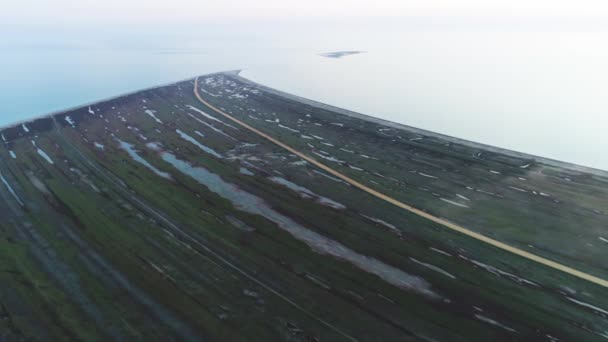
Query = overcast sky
x=516 y=59
x=67 y=12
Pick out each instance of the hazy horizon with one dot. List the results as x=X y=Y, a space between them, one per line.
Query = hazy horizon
x=148 y=194
x=527 y=76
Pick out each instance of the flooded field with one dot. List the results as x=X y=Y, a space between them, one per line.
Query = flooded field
x=150 y=217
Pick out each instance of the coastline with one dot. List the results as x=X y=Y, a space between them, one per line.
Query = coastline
x=452 y=139
x=91 y=103
x=236 y=73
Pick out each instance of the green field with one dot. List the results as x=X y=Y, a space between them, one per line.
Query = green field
x=149 y=217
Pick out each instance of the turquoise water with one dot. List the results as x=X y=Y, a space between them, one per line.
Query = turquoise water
x=44 y=81
x=540 y=93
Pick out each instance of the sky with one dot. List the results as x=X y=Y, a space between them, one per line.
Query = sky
x=539 y=61
x=32 y=13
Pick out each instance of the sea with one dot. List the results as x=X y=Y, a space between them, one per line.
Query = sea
x=530 y=89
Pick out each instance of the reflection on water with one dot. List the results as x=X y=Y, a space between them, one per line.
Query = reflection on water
x=252 y=204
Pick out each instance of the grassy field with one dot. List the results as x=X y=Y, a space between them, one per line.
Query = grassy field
x=149 y=218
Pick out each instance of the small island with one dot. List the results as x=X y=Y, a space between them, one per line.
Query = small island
x=340 y=54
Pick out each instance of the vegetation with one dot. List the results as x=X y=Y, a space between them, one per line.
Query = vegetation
x=105 y=248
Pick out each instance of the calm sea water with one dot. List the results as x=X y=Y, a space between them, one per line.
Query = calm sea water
x=540 y=93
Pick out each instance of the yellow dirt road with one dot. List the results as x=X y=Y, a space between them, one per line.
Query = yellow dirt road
x=447 y=224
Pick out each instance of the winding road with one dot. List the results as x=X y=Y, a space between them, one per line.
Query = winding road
x=443 y=222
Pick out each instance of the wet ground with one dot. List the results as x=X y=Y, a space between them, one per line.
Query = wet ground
x=148 y=217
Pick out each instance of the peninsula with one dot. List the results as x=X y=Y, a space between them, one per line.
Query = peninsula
x=219 y=209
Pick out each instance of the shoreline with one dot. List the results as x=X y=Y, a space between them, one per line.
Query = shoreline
x=88 y=104
x=236 y=73
x=452 y=139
